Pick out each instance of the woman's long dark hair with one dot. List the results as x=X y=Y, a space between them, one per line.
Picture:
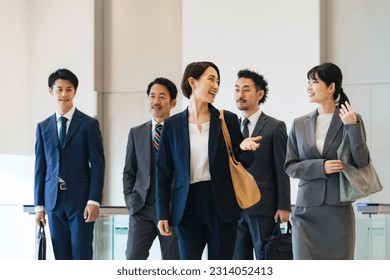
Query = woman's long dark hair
x=330 y=73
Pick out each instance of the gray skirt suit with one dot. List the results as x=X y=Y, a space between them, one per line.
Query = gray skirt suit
x=323 y=227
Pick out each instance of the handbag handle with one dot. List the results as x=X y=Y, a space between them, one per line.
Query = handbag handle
x=42 y=229
x=226 y=134
x=42 y=242
x=277 y=230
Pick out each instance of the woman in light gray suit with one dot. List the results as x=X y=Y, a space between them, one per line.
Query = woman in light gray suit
x=324 y=227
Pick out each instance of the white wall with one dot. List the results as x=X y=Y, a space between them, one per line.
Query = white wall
x=61 y=36
x=14 y=77
x=279 y=39
x=38 y=37
x=357 y=41
x=142 y=41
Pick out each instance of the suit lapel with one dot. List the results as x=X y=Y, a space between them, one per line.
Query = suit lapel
x=214 y=135
x=74 y=124
x=310 y=129
x=335 y=125
x=259 y=125
x=184 y=138
x=51 y=131
x=147 y=142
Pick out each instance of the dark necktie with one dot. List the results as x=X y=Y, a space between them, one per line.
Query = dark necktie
x=157 y=136
x=62 y=136
x=245 y=130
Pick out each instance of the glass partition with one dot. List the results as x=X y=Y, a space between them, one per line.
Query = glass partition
x=372 y=231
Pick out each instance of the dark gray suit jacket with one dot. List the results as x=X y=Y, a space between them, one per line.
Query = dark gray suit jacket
x=303 y=160
x=136 y=173
x=268 y=167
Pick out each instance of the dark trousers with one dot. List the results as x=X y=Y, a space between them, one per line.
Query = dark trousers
x=201 y=225
x=142 y=233
x=71 y=236
x=251 y=230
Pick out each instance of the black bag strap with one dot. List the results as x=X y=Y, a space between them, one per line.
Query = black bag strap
x=289 y=227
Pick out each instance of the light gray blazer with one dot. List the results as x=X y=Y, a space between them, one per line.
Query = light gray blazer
x=304 y=162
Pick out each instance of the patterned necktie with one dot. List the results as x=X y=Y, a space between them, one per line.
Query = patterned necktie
x=245 y=130
x=157 y=136
x=62 y=136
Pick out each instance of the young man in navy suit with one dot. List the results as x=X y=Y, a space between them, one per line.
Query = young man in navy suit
x=69 y=172
x=258 y=221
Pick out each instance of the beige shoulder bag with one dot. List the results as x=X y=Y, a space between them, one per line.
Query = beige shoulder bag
x=245 y=187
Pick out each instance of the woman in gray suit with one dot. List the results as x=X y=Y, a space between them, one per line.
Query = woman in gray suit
x=324 y=227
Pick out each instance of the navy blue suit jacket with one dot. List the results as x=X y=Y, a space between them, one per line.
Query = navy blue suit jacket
x=82 y=160
x=173 y=165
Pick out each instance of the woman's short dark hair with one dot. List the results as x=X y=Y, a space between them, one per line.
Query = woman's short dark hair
x=330 y=73
x=195 y=70
x=63 y=74
x=171 y=87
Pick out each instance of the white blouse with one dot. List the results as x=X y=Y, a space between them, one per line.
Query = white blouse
x=322 y=127
x=199 y=153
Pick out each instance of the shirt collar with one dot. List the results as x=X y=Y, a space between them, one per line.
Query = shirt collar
x=254 y=117
x=67 y=115
x=154 y=123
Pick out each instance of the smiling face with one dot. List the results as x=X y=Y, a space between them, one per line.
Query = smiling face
x=206 y=87
x=319 y=92
x=160 y=103
x=63 y=93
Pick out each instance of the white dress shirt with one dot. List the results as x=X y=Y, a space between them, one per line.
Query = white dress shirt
x=252 y=121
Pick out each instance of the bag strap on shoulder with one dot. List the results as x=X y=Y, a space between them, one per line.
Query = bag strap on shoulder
x=225 y=132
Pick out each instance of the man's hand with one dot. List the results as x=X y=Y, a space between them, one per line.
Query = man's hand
x=91 y=213
x=251 y=143
x=40 y=217
x=283 y=215
x=163 y=227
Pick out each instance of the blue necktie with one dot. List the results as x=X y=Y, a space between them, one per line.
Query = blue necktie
x=245 y=130
x=62 y=136
x=157 y=136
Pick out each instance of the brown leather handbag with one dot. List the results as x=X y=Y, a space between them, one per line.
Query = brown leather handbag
x=245 y=187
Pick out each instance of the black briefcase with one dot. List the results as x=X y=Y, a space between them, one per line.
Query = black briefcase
x=278 y=246
x=41 y=240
